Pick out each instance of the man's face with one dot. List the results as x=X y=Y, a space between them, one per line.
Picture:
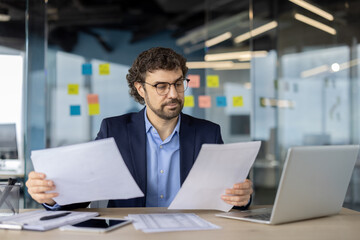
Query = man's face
x=167 y=106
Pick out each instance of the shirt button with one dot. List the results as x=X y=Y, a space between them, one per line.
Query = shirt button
x=161 y=171
x=161 y=146
x=161 y=196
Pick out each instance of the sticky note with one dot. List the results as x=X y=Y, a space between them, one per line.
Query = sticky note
x=73 y=89
x=212 y=81
x=221 y=101
x=94 y=109
x=194 y=81
x=92 y=98
x=87 y=69
x=75 y=110
x=104 y=69
x=238 y=101
x=189 y=101
x=204 y=101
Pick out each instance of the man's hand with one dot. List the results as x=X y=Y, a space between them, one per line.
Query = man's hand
x=239 y=195
x=38 y=186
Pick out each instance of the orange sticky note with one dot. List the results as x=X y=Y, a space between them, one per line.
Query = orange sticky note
x=194 y=81
x=212 y=81
x=73 y=89
x=104 y=69
x=94 y=109
x=204 y=101
x=92 y=98
x=238 y=101
x=189 y=101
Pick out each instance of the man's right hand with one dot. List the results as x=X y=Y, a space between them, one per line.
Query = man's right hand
x=38 y=186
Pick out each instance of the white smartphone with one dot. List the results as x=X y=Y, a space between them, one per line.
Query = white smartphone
x=97 y=224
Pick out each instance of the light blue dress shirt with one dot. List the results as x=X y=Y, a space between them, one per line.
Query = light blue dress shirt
x=163 y=166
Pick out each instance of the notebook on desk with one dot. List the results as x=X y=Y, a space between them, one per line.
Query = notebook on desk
x=42 y=220
x=313 y=184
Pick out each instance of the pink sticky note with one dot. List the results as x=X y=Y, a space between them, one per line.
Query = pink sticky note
x=92 y=98
x=204 y=101
x=194 y=81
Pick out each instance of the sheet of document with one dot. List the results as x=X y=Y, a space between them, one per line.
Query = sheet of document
x=87 y=172
x=216 y=168
x=167 y=222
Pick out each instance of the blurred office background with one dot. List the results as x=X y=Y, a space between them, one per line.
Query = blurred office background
x=285 y=72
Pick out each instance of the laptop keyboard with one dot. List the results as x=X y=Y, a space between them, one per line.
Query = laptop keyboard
x=263 y=216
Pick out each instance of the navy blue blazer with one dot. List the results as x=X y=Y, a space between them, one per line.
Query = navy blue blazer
x=129 y=133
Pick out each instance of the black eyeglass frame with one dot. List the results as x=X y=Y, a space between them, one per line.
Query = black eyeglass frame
x=169 y=86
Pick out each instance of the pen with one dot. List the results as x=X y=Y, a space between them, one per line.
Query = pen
x=54 y=216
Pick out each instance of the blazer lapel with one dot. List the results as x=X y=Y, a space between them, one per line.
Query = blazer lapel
x=137 y=142
x=187 y=146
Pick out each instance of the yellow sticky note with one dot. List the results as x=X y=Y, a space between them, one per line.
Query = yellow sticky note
x=104 y=69
x=212 y=81
x=189 y=101
x=94 y=109
x=238 y=101
x=73 y=89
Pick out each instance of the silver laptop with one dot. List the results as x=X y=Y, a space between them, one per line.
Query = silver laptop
x=313 y=184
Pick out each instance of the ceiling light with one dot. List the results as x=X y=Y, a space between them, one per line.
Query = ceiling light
x=216 y=40
x=315 y=71
x=200 y=65
x=315 y=24
x=235 y=55
x=214 y=28
x=256 y=31
x=313 y=9
x=235 y=66
x=4 y=17
x=349 y=64
x=335 y=67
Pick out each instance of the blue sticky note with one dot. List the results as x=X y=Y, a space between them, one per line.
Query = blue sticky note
x=87 y=69
x=221 y=101
x=75 y=110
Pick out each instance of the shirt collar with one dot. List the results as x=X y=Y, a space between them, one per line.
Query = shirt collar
x=148 y=125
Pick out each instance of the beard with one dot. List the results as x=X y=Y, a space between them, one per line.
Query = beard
x=169 y=113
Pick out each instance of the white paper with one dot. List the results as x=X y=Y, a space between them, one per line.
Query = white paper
x=87 y=172
x=217 y=167
x=167 y=222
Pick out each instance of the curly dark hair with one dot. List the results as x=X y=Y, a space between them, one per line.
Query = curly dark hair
x=153 y=59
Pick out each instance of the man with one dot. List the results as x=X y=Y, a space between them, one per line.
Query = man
x=159 y=144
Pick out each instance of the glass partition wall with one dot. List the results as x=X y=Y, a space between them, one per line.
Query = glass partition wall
x=12 y=90
x=282 y=72
x=306 y=88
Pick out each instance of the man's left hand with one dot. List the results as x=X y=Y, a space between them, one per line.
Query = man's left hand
x=239 y=195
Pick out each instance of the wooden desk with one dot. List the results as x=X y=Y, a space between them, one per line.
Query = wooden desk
x=345 y=225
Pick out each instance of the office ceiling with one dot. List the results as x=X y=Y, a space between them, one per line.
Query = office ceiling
x=143 y=18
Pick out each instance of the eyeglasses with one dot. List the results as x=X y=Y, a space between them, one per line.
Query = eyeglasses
x=163 y=88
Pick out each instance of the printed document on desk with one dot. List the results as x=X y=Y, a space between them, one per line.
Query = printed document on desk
x=168 y=222
x=217 y=167
x=87 y=172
